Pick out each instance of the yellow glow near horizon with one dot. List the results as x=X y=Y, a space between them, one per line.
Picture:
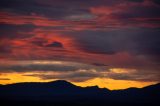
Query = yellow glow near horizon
x=122 y=70
x=18 y=77
x=101 y=82
x=114 y=84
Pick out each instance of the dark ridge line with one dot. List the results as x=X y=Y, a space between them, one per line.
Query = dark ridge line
x=67 y=82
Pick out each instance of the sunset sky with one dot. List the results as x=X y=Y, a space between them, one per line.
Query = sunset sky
x=109 y=43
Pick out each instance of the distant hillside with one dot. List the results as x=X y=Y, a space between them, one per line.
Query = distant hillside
x=62 y=92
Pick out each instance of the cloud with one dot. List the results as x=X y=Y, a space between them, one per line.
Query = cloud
x=134 y=41
x=125 y=14
x=84 y=75
x=101 y=33
x=55 y=44
x=136 y=0
x=4 y=47
x=4 y=79
x=76 y=76
x=92 y=16
x=30 y=66
x=156 y=1
x=76 y=72
x=134 y=75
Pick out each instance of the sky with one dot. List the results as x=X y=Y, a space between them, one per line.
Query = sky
x=109 y=43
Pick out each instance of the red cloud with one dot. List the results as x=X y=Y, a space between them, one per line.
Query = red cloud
x=104 y=17
x=16 y=19
x=119 y=15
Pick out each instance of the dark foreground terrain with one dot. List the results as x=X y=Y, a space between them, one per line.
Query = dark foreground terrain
x=59 y=93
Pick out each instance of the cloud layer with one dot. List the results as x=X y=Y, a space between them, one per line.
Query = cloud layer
x=91 y=35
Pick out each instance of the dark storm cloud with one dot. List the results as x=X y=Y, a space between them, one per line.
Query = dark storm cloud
x=134 y=41
x=19 y=6
x=53 y=9
x=136 y=0
x=156 y=1
x=5 y=47
x=62 y=9
x=55 y=44
x=142 y=12
x=10 y=31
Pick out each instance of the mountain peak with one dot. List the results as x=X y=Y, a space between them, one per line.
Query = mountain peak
x=61 y=83
x=95 y=87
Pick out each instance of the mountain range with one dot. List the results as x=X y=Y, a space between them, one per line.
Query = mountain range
x=61 y=92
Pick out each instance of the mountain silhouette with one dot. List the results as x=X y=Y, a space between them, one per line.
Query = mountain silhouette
x=61 y=92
